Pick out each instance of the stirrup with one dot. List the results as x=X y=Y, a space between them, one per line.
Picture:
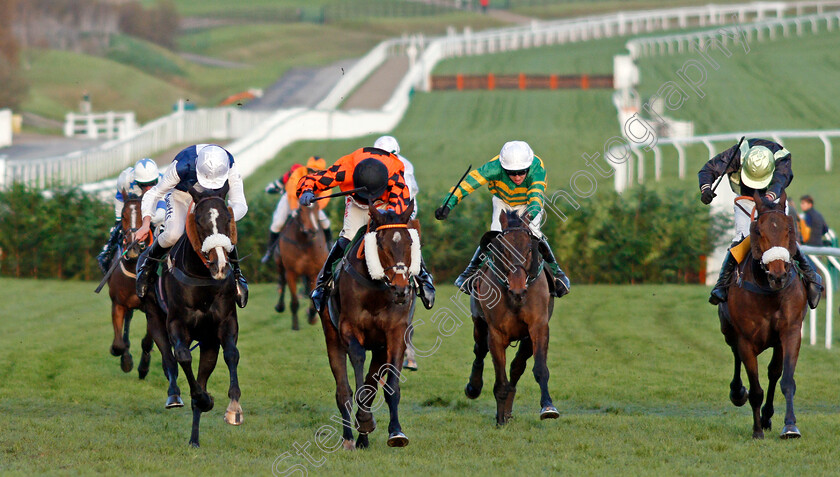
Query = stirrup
x=320 y=299
x=241 y=292
x=814 y=291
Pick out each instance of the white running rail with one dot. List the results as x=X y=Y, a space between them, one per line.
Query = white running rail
x=830 y=253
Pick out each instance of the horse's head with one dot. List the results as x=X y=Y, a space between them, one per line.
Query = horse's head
x=773 y=240
x=212 y=230
x=392 y=250
x=515 y=255
x=308 y=217
x=132 y=219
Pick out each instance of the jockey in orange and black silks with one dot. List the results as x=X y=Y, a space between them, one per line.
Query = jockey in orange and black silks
x=757 y=166
x=381 y=175
x=204 y=167
x=516 y=177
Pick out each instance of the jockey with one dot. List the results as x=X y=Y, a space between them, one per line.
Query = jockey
x=133 y=181
x=516 y=177
x=204 y=167
x=390 y=144
x=381 y=173
x=289 y=203
x=279 y=185
x=758 y=166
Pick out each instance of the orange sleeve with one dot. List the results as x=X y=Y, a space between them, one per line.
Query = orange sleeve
x=396 y=195
x=337 y=175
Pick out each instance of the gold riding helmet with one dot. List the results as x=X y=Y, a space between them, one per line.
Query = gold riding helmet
x=757 y=167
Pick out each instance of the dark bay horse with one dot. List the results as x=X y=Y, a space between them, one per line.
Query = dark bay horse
x=370 y=309
x=124 y=300
x=511 y=301
x=301 y=252
x=199 y=293
x=765 y=309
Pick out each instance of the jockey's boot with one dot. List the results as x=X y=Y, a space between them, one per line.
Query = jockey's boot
x=472 y=267
x=720 y=291
x=320 y=293
x=328 y=236
x=562 y=286
x=104 y=257
x=812 y=278
x=147 y=264
x=426 y=286
x=272 y=241
x=241 y=283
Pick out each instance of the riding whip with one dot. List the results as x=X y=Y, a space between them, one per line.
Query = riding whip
x=738 y=147
x=339 y=194
x=458 y=184
x=113 y=267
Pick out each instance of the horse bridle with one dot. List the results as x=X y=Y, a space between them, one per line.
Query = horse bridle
x=759 y=214
x=534 y=267
x=398 y=269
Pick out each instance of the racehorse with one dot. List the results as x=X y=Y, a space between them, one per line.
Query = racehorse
x=124 y=300
x=370 y=309
x=301 y=252
x=765 y=309
x=510 y=301
x=198 y=293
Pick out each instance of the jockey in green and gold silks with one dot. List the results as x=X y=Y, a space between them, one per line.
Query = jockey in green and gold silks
x=516 y=178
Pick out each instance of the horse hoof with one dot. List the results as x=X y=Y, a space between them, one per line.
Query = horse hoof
x=397 y=439
x=366 y=427
x=472 y=392
x=234 y=418
x=349 y=444
x=549 y=412
x=758 y=435
x=362 y=442
x=410 y=364
x=790 y=432
x=766 y=424
x=126 y=362
x=174 y=401
x=143 y=368
x=116 y=352
x=280 y=308
x=739 y=401
x=194 y=444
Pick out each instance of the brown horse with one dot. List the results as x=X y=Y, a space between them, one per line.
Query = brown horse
x=199 y=292
x=301 y=252
x=370 y=309
x=511 y=301
x=124 y=300
x=765 y=309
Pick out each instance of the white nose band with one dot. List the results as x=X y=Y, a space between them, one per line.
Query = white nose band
x=775 y=253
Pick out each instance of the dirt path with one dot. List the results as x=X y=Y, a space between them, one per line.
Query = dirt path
x=377 y=89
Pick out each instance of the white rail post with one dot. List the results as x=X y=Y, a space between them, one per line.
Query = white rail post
x=657 y=162
x=681 y=159
x=69 y=125
x=827 y=145
x=829 y=301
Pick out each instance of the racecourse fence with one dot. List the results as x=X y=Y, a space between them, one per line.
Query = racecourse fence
x=831 y=254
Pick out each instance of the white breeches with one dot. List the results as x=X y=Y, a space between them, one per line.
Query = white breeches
x=281 y=214
x=499 y=205
x=177 y=205
x=356 y=216
x=743 y=220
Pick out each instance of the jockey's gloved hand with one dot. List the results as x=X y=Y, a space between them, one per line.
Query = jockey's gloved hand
x=769 y=199
x=306 y=198
x=707 y=195
x=442 y=212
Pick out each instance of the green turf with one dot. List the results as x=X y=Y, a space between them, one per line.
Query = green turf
x=640 y=375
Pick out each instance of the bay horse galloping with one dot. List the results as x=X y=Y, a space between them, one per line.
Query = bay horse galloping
x=301 y=252
x=765 y=309
x=124 y=300
x=199 y=293
x=370 y=309
x=511 y=301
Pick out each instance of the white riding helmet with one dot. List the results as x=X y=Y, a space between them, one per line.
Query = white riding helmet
x=146 y=171
x=387 y=143
x=516 y=156
x=125 y=179
x=212 y=166
x=758 y=167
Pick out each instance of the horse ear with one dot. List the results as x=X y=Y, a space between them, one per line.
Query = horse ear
x=759 y=205
x=792 y=242
x=783 y=200
x=224 y=190
x=503 y=219
x=192 y=232
x=232 y=234
x=407 y=212
x=194 y=193
x=375 y=215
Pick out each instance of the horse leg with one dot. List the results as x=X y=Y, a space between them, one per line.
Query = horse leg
x=539 y=340
x=517 y=367
x=774 y=371
x=294 y=303
x=364 y=419
x=395 y=351
x=280 y=307
x=156 y=328
x=312 y=311
x=146 y=356
x=498 y=343
x=476 y=382
x=202 y=401
x=737 y=392
x=233 y=414
x=790 y=352
x=756 y=394
x=180 y=346
x=126 y=361
x=366 y=393
x=118 y=313
x=337 y=355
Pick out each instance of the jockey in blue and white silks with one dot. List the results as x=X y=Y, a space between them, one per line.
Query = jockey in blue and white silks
x=205 y=167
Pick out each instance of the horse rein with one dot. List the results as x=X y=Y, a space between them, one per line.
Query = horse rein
x=503 y=280
x=398 y=269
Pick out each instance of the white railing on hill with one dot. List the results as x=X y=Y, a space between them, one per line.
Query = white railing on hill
x=626 y=170
x=830 y=253
x=110 y=125
x=109 y=159
x=684 y=42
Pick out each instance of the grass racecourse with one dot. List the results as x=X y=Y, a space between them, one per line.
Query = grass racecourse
x=640 y=375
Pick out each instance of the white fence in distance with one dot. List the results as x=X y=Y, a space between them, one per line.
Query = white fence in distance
x=830 y=253
x=110 y=125
x=5 y=127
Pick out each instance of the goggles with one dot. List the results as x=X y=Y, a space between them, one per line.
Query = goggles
x=519 y=172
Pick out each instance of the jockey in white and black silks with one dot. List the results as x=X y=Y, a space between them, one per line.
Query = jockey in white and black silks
x=759 y=166
x=204 y=167
x=516 y=177
x=132 y=182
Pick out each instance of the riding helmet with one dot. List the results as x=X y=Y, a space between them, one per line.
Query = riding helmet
x=371 y=174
